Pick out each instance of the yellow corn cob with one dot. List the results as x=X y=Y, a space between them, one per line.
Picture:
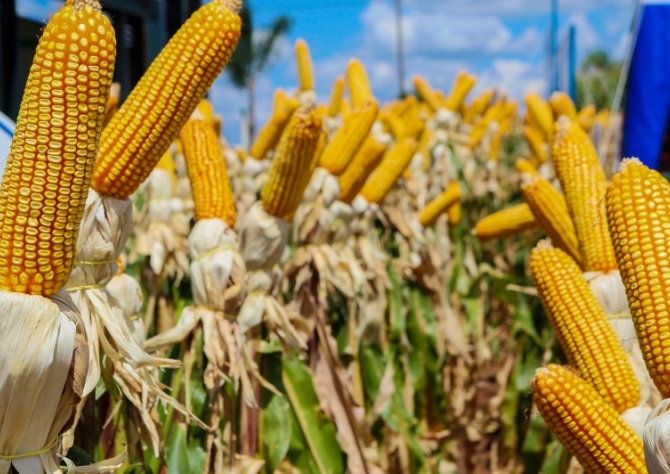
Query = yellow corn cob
x=638 y=213
x=585 y=334
x=112 y=103
x=540 y=114
x=425 y=147
x=305 y=74
x=48 y=170
x=551 y=211
x=561 y=104
x=536 y=143
x=454 y=213
x=603 y=118
x=217 y=124
x=348 y=138
x=241 y=154
x=510 y=221
x=462 y=86
x=586 y=117
x=292 y=164
x=408 y=105
x=336 y=97
x=440 y=204
x=359 y=85
x=477 y=106
x=167 y=163
x=414 y=126
x=207 y=173
x=367 y=158
x=496 y=145
x=270 y=134
x=426 y=93
x=394 y=163
x=584 y=184
x=481 y=127
x=161 y=103
x=525 y=166
x=345 y=108
x=394 y=124
x=206 y=109
x=585 y=424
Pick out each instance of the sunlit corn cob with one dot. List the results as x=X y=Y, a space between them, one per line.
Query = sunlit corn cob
x=551 y=211
x=207 y=173
x=462 y=86
x=586 y=117
x=509 y=221
x=384 y=177
x=367 y=158
x=480 y=128
x=523 y=165
x=345 y=108
x=358 y=83
x=638 y=213
x=535 y=143
x=336 y=97
x=414 y=127
x=270 y=134
x=585 y=424
x=496 y=144
x=424 y=148
x=561 y=104
x=477 y=106
x=304 y=61
x=585 y=334
x=584 y=185
x=292 y=165
x=540 y=113
x=48 y=170
x=393 y=123
x=348 y=138
x=112 y=103
x=426 y=93
x=206 y=110
x=161 y=103
x=440 y=204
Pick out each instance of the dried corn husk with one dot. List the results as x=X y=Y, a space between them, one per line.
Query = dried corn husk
x=263 y=238
x=43 y=366
x=656 y=440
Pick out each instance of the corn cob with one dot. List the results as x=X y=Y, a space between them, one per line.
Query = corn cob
x=638 y=213
x=336 y=97
x=525 y=166
x=206 y=110
x=348 y=138
x=496 y=144
x=510 y=221
x=440 y=204
x=394 y=163
x=393 y=123
x=305 y=74
x=540 y=114
x=207 y=173
x=584 y=184
x=561 y=104
x=270 y=134
x=586 y=117
x=462 y=86
x=535 y=143
x=161 y=103
x=112 y=103
x=48 y=170
x=426 y=93
x=477 y=106
x=414 y=127
x=359 y=85
x=551 y=211
x=582 y=327
x=367 y=158
x=454 y=213
x=585 y=424
x=292 y=165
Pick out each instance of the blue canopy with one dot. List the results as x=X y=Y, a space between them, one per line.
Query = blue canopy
x=648 y=96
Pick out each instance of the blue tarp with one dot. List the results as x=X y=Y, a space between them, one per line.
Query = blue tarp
x=648 y=95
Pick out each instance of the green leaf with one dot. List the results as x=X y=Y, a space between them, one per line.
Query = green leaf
x=319 y=432
x=196 y=455
x=177 y=451
x=276 y=423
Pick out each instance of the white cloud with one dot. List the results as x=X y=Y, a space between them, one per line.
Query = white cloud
x=587 y=38
x=515 y=77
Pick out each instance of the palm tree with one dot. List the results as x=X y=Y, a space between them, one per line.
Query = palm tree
x=252 y=55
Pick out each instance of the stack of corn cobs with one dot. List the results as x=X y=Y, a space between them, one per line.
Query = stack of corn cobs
x=351 y=294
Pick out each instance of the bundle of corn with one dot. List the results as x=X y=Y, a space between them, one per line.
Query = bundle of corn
x=130 y=146
x=264 y=231
x=45 y=353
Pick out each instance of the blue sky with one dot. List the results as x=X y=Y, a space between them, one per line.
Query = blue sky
x=502 y=41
